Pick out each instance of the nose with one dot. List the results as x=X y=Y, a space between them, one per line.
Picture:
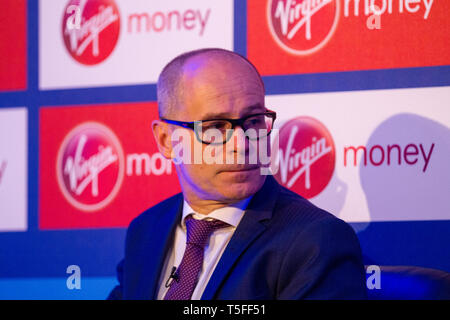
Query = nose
x=237 y=148
x=240 y=141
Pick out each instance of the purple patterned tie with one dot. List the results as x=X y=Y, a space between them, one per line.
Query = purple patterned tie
x=198 y=232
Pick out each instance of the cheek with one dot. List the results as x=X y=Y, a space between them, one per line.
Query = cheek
x=200 y=174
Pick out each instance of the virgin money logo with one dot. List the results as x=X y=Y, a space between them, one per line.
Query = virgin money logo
x=306 y=156
x=90 y=166
x=90 y=29
x=302 y=27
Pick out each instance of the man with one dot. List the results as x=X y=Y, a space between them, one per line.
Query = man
x=233 y=232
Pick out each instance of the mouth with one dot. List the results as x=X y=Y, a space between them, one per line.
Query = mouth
x=241 y=169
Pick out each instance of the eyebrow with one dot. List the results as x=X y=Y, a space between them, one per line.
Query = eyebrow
x=225 y=115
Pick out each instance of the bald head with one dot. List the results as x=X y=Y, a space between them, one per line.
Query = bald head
x=177 y=80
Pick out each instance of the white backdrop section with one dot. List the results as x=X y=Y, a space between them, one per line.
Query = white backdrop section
x=141 y=51
x=13 y=169
x=415 y=184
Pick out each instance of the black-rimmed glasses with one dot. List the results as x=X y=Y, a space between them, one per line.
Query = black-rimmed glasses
x=219 y=131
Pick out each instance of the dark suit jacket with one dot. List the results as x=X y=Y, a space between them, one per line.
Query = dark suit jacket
x=283 y=248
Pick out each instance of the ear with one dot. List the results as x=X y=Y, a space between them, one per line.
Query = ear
x=162 y=134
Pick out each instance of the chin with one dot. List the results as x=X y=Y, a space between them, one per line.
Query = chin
x=238 y=190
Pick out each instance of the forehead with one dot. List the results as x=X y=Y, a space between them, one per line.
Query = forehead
x=218 y=84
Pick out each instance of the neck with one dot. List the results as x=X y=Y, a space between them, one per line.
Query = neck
x=205 y=206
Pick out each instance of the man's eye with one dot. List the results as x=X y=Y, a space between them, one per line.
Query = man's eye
x=220 y=125
x=255 y=121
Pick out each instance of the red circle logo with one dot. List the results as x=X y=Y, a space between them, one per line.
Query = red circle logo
x=90 y=166
x=90 y=29
x=306 y=156
x=302 y=26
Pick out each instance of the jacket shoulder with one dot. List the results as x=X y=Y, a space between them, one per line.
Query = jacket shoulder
x=297 y=209
x=311 y=226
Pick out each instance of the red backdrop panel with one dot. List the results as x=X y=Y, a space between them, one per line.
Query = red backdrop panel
x=13 y=62
x=404 y=39
x=139 y=189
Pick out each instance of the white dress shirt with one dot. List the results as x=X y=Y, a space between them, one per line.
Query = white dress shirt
x=213 y=250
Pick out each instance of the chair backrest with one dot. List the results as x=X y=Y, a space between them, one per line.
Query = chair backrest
x=411 y=283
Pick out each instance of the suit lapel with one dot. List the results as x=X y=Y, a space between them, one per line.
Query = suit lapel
x=159 y=241
x=259 y=209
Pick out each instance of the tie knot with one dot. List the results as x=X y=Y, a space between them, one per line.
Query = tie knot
x=198 y=231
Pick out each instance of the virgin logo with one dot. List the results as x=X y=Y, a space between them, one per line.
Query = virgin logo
x=90 y=29
x=302 y=26
x=90 y=166
x=306 y=156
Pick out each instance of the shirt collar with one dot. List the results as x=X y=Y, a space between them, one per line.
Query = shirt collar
x=230 y=214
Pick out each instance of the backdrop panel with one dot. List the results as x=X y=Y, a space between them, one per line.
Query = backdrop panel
x=362 y=99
